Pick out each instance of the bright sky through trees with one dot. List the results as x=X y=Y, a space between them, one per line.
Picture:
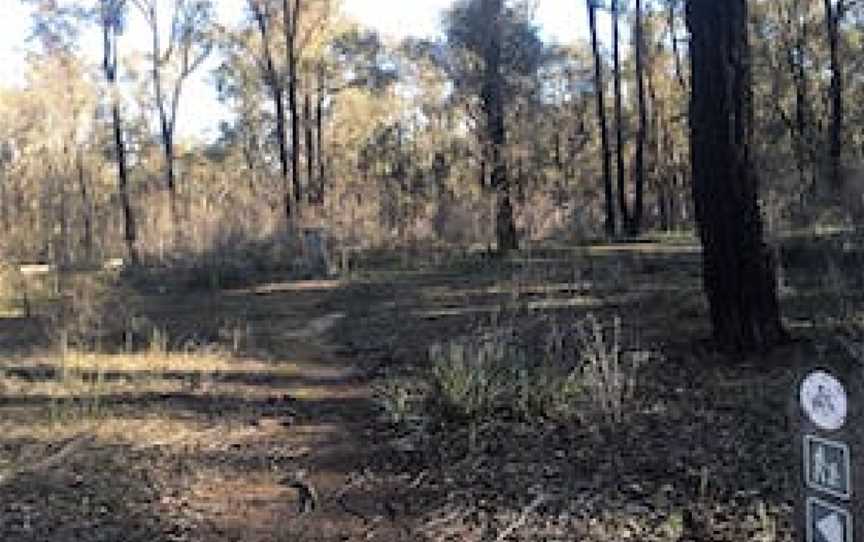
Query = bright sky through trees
x=560 y=20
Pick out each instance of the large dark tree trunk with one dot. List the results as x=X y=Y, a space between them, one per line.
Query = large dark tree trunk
x=833 y=14
x=738 y=272
x=601 y=119
x=636 y=221
x=619 y=133
x=493 y=103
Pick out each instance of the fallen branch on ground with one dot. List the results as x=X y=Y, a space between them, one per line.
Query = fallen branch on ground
x=53 y=459
x=523 y=517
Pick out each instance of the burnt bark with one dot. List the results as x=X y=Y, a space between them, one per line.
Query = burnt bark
x=86 y=205
x=291 y=17
x=673 y=36
x=314 y=196
x=180 y=42
x=599 y=93
x=493 y=104
x=795 y=38
x=319 y=130
x=738 y=272
x=111 y=20
x=123 y=185
x=5 y=220
x=619 y=133
x=261 y=13
x=638 y=204
x=833 y=15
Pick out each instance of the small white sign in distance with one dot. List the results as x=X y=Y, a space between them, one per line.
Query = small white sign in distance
x=824 y=400
x=827 y=523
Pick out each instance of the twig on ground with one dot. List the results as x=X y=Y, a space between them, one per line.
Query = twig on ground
x=523 y=517
x=65 y=450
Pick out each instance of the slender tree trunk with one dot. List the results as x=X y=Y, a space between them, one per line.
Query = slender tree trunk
x=279 y=105
x=86 y=206
x=599 y=91
x=291 y=20
x=5 y=223
x=60 y=173
x=556 y=148
x=110 y=19
x=638 y=204
x=663 y=206
x=670 y=21
x=314 y=196
x=672 y=173
x=493 y=103
x=659 y=170
x=169 y=175
x=123 y=185
x=165 y=124
x=671 y=202
x=833 y=14
x=271 y=77
x=803 y=114
x=249 y=158
x=796 y=36
x=319 y=122
x=626 y=219
x=738 y=272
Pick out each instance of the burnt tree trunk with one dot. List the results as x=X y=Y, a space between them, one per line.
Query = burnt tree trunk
x=279 y=105
x=493 y=104
x=319 y=130
x=314 y=197
x=166 y=122
x=638 y=204
x=670 y=21
x=5 y=219
x=833 y=14
x=796 y=59
x=86 y=206
x=111 y=21
x=123 y=185
x=601 y=119
x=738 y=272
x=619 y=133
x=291 y=20
x=271 y=78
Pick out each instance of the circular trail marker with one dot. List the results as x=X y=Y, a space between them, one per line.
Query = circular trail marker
x=823 y=399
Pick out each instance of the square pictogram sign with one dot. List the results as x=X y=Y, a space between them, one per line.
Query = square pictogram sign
x=827 y=467
x=827 y=522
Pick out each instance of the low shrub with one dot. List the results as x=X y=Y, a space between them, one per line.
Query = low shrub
x=491 y=374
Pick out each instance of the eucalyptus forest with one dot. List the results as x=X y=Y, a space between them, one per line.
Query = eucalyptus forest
x=485 y=283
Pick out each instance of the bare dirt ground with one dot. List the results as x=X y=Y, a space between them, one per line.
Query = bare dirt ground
x=266 y=428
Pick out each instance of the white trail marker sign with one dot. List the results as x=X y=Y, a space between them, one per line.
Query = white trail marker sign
x=827 y=422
